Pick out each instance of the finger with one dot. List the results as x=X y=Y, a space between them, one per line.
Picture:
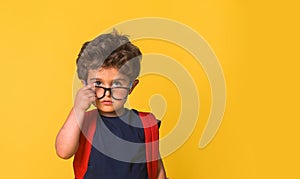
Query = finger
x=87 y=87
x=90 y=88
x=92 y=99
x=89 y=92
x=83 y=90
x=93 y=89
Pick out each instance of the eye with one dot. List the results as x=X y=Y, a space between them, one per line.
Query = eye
x=97 y=83
x=116 y=84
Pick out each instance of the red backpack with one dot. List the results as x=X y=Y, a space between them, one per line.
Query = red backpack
x=81 y=159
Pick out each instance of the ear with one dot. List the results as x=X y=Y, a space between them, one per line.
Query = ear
x=135 y=82
x=83 y=82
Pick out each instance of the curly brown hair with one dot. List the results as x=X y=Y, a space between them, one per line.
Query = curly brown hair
x=109 y=50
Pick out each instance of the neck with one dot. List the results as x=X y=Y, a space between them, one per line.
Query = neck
x=113 y=113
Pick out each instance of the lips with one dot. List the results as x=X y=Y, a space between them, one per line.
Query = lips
x=106 y=102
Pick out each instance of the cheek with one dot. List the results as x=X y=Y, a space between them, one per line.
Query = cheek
x=118 y=103
x=98 y=95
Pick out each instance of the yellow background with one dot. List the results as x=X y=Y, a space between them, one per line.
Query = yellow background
x=256 y=42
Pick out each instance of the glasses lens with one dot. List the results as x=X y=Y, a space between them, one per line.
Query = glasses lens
x=99 y=92
x=119 y=93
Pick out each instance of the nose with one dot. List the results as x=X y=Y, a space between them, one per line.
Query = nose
x=107 y=92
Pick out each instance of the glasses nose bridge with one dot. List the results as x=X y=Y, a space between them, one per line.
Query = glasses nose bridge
x=107 y=89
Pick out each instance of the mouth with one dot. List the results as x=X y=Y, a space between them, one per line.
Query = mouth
x=106 y=102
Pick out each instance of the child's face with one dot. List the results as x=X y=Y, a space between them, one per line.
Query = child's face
x=112 y=89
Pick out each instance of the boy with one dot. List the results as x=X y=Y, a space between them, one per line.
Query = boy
x=110 y=142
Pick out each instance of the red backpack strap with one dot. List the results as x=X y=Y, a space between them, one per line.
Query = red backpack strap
x=152 y=143
x=82 y=155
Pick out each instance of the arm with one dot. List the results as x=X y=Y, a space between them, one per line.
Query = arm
x=161 y=170
x=67 y=139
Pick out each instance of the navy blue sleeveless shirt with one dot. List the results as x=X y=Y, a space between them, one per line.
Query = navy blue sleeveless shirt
x=118 y=150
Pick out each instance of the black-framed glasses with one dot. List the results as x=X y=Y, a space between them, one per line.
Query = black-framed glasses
x=117 y=93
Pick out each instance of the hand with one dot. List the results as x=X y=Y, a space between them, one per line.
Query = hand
x=84 y=98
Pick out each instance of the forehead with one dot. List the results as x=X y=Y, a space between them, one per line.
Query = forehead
x=108 y=73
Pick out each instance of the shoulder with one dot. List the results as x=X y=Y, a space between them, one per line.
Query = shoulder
x=147 y=118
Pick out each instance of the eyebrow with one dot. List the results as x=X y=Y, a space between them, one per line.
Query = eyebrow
x=92 y=79
x=117 y=79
